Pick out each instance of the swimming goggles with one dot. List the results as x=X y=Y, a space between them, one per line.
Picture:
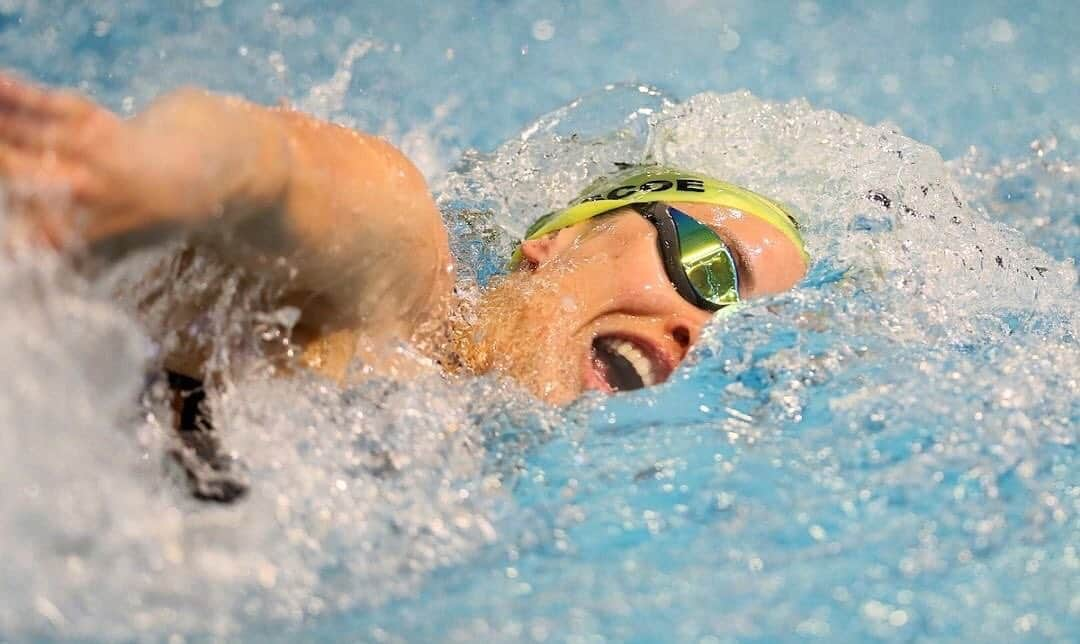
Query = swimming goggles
x=648 y=184
x=699 y=264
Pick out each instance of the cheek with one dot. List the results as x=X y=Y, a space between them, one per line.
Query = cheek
x=622 y=279
x=639 y=270
x=618 y=266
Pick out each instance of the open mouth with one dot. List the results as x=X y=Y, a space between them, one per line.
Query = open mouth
x=625 y=365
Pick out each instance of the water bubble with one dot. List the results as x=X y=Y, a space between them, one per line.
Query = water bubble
x=543 y=30
x=825 y=79
x=728 y=39
x=897 y=351
x=898 y=618
x=875 y=610
x=1002 y=31
x=277 y=62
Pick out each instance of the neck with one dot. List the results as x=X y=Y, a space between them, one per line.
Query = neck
x=464 y=350
x=483 y=326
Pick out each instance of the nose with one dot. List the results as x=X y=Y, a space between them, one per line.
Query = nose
x=685 y=328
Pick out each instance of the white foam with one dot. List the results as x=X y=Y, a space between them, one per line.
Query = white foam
x=358 y=494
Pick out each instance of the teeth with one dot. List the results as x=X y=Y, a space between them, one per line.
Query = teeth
x=642 y=365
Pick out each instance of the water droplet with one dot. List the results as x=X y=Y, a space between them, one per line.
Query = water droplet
x=543 y=30
x=890 y=84
x=1002 y=31
x=728 y=39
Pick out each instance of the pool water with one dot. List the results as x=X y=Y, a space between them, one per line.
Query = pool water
x=887 y=452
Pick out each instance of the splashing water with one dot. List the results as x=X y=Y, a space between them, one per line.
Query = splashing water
x=887 y=451
x=357 y=493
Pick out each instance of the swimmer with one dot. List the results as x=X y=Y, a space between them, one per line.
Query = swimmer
x=608 y=294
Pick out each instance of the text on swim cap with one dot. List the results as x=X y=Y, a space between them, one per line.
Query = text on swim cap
x=653 y=185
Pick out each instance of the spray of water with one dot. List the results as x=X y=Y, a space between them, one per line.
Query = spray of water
x=928 y=360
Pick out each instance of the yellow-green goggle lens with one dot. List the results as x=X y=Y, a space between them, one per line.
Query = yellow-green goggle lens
x=706 y=261
x=698 y=263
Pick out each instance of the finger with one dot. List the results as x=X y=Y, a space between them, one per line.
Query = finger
x=18 y=129
x=44 y=193
x=17 y=94
x=66 y=104
x=24 y=171
x=15 y=163
x=41 y=227
x=28 y=176
x=10 y=85
x=21 y=96
x=43 y=135
x=37 y=218
x=24 y=231
x=37 y=195
x=48 y=174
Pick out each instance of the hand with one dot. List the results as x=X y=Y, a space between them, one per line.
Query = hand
x=73 y=168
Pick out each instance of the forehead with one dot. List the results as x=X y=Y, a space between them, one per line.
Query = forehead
x=772 y=261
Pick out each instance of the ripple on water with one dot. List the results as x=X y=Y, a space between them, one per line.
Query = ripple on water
x=887 y=451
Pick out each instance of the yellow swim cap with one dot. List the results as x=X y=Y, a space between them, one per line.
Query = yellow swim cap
x=648 y=184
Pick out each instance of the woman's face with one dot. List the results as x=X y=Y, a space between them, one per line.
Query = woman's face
x=592 y=307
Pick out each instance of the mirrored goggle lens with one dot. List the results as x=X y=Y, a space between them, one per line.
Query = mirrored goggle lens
x=707 y=262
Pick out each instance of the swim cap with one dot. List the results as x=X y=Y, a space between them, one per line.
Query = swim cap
x=648 y=184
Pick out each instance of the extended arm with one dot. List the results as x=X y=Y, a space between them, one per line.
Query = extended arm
x=362 y=240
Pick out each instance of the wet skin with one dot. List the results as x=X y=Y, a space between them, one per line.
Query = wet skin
x=340 y=219
x=604 y=279
x=347 y=221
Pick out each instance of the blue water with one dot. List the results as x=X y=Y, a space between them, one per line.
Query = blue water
x=889 y=452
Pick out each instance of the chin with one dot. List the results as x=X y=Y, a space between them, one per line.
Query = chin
x=526 y=337
x=553 y=388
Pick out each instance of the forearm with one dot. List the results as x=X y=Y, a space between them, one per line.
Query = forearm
x=214 y=160
x=362 y=239
x=346 y=215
